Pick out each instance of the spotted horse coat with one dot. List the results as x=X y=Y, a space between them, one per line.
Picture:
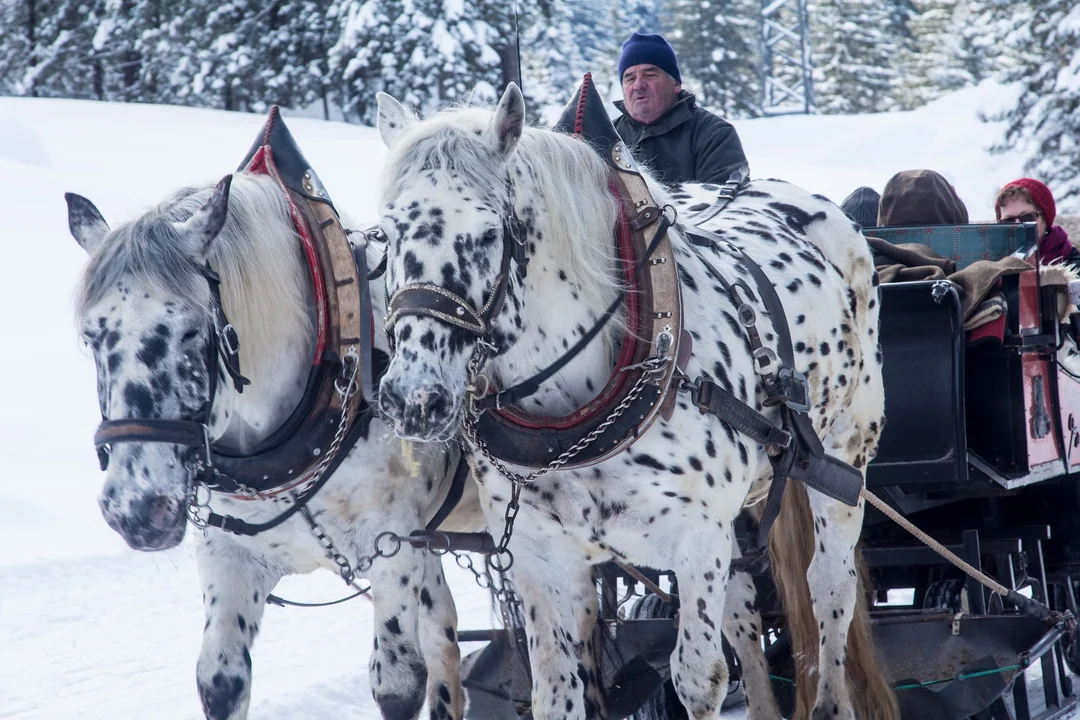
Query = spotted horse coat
x=449 y=186
x=144 y=312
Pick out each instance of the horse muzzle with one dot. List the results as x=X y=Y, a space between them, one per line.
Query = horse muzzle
x=148 y=522
x=422 y=412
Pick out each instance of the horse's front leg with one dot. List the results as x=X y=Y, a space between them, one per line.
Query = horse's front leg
x=235 y=584
x=438 y=644
x=560 y=604
x=398 y=673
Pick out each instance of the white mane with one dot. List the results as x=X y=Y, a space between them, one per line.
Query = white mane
x=264 y=286
x=576 y=212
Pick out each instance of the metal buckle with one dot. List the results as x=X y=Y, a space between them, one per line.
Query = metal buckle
x=701 y=394
x=939 y=289
x=230 y=340
x=766 y=362
x=791 y=377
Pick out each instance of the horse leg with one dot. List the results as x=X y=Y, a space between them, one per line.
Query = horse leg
x=438 y=644
x=560 y=605
x=235 y=585
x=742 y=628
x=397 y=670
x=698 y=667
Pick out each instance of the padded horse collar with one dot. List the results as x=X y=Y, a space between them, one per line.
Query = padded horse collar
x=653 y=346
x=293 y=454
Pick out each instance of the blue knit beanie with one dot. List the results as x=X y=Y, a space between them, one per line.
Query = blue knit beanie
x=643 y=49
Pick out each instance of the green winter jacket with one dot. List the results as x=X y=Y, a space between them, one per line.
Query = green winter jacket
x=686 y=144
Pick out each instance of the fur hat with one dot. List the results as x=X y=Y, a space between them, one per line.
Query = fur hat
x=644 y=49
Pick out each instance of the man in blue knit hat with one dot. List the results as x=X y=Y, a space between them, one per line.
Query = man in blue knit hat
x=661 y=124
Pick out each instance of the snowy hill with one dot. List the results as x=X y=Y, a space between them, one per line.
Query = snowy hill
x=90 y=629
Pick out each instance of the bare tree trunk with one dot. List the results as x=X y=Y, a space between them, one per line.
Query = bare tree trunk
x=31 y=25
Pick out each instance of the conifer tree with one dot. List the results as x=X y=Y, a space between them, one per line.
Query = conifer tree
x=717 y=46
x=855 y=49
x=934 y=63
x=1047 y=114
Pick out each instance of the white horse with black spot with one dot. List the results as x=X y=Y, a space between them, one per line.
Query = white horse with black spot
x=151 y=319
x=455 y=189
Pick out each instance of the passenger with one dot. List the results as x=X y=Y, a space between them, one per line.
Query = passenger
x=862 y=206
x=660 y=123
x=1028 y=200
x=920 y=197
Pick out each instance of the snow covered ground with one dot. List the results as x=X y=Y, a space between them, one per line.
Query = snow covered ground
x=90 y=629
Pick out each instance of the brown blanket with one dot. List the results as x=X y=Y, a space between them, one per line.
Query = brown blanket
x=906 y=262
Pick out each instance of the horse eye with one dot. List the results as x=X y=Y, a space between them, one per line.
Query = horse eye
x=490 y=236
x=189 y=335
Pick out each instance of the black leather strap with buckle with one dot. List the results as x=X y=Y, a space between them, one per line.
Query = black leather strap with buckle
x=424 y=299
x=715 y=400
x=797 y=452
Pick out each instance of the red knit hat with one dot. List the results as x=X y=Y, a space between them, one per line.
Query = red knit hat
x=1040 y=194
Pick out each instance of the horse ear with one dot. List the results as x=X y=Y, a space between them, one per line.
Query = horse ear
x=85 y=222
x=392 y=118
x=201 y=228
x=509 y=120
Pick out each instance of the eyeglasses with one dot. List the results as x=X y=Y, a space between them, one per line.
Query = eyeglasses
x=1027 y=217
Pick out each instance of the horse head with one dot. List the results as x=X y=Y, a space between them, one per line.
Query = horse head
x=454 y=259
x=150 y=310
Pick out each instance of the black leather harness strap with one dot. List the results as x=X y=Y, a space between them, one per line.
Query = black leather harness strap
x=516 y=393
x=715 y=400
x=453 y=495
x=425 y=299
x=727 y=193
x=237 y=526
x=795 y=450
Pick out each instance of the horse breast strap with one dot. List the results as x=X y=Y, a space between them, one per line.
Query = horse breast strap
x=654 y=345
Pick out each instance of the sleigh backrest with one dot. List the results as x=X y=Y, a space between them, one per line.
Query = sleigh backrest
x=964 y=244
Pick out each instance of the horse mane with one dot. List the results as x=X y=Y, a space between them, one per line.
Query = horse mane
x=264 y=286
x=454 y=146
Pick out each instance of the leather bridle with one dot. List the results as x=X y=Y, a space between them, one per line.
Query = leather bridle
x=425 y=299
x=193 y=433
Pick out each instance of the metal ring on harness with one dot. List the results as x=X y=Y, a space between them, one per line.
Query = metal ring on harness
x=498 y=566
x=378 y=542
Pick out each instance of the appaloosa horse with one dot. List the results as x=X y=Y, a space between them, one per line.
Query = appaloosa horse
x=500 y=261
x=151 y=319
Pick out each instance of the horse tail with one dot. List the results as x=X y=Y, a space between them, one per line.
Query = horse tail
x=791 y=547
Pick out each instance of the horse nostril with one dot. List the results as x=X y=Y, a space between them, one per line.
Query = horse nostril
x=391 y=403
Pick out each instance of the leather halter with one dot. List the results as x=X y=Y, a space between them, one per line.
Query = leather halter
x=192 y=433
x=424 y=299
x=292 y=454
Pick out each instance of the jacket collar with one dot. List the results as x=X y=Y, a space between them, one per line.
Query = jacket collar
x=673 y=117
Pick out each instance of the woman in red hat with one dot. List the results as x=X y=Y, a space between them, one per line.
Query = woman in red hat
x=1028 y=200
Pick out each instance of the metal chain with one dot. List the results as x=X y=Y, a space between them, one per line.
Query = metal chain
x=199 y=508
x=652 y=367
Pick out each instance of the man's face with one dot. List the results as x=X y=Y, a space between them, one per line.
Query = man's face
x=648 y=92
